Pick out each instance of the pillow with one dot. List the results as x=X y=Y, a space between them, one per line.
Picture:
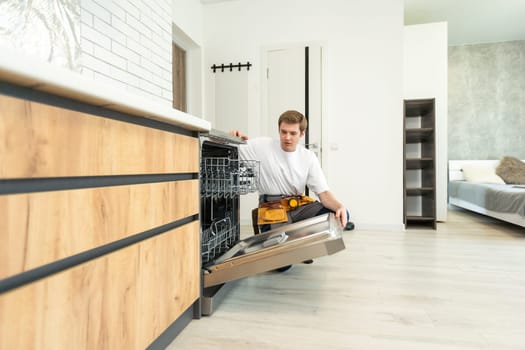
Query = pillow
x=511 y=170
x=481 y=173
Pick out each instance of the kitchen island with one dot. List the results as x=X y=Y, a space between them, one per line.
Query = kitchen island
x=99 y=207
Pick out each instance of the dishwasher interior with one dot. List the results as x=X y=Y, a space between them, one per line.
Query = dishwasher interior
x=224 y=178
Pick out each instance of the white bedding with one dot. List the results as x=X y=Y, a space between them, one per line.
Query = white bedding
x=504 y=202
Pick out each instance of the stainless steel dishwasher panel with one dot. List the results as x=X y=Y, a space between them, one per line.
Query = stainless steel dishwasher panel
x=286 y=245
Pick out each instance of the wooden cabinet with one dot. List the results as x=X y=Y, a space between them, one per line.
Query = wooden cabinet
x=419 y=163
x=99 y=225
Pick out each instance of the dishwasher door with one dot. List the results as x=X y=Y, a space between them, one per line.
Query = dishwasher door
x=286 y=245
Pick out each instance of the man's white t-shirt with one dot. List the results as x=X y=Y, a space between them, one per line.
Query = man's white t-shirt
x=284 y=172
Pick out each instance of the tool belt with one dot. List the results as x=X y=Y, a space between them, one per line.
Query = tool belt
x=274 y=212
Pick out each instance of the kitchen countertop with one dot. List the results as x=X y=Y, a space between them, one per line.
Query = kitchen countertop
x=23 y=70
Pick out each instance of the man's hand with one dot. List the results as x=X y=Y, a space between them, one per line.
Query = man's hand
x=328 y=200
x=238 y=134
x=340 y=215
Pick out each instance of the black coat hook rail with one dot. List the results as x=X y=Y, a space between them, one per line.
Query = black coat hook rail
x=231 y=66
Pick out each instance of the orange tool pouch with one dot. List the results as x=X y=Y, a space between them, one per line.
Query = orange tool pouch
x=275 y=212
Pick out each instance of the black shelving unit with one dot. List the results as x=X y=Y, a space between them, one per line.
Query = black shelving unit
x=419 y=163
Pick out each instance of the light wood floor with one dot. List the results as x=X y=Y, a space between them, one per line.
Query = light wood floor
x=460 y=287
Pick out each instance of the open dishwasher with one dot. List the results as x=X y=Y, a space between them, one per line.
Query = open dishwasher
x=225 y=257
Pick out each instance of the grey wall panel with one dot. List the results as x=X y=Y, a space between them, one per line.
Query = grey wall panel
x=486 y=111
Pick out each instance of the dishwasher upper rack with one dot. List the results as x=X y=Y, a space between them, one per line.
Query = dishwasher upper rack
x=224 y=177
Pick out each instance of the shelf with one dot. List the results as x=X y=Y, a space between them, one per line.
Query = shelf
x=420 y=218
x=419 y=135
x=419 y=163
x=419 y=171
x=419 y=191
x=418 y=108
x=421 y=222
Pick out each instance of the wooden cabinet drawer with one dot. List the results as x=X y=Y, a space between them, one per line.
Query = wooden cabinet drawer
x=40 y=140
x=123 y=300
x=39 y=228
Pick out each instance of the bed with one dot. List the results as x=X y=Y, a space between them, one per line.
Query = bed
x=474 y=185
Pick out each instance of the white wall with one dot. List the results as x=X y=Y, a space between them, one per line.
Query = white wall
x=232 y=107
x=187 y=15
x=425 y=76
x=362 y=88
x=128 y=45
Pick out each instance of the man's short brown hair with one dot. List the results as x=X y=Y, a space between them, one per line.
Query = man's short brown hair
x=293 y=117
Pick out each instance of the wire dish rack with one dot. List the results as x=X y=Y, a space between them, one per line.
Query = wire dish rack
x=218 y=238
x=224 y=177
x=223 y=180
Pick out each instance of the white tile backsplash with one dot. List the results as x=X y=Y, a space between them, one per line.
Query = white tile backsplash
x=130 y=42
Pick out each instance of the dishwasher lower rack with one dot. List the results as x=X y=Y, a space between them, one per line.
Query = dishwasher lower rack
x=224 y=177
x=218 y=238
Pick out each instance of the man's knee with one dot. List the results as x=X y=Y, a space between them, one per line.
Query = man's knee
x=325 y=210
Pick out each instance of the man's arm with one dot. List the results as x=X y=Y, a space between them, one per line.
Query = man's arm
x=329 y=201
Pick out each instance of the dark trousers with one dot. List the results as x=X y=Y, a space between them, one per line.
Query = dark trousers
x=301 y=213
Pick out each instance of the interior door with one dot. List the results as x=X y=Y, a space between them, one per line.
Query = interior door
x=286 y=245
x=294 y=82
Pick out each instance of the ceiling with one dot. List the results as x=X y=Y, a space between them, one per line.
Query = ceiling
x=212 y=1
x=469 y=21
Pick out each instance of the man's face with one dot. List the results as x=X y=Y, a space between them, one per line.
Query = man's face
x=289 y=134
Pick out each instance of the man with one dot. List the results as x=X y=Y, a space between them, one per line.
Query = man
x=287 y=167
